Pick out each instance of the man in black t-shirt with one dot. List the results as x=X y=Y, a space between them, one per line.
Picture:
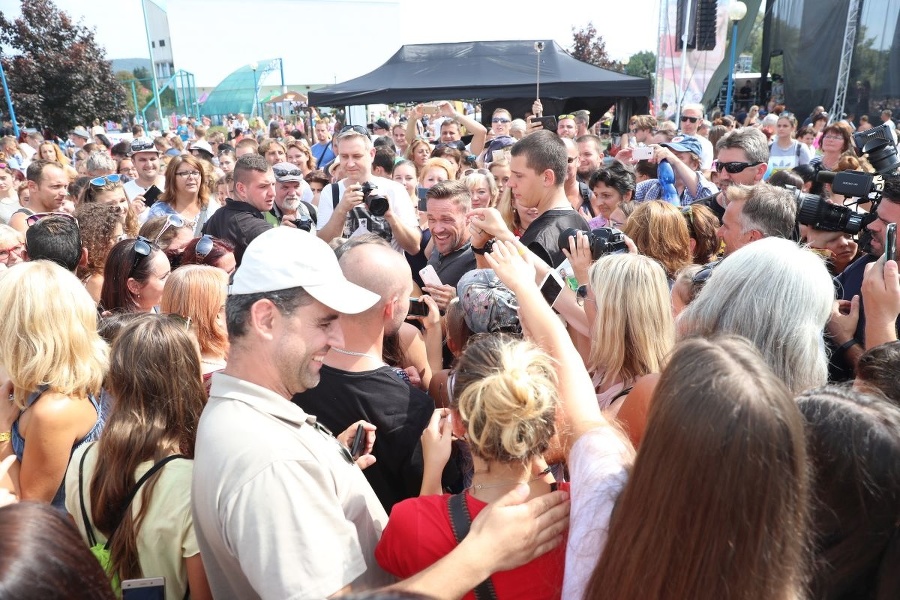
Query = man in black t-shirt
x=355 y=382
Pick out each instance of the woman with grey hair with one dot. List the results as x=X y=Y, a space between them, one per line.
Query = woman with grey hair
x=778 y=296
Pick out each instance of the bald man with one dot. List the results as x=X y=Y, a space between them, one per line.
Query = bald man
x=357 y=384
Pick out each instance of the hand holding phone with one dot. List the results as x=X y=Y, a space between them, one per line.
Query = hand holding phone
x=417 y=308
x=430 y=277
x=548 y=123
x=359 y=442
x=890 y=242
x=642 y=153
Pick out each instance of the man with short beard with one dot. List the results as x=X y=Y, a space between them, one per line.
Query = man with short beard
x=291 y=193
x=150 y=182
x=590 y=156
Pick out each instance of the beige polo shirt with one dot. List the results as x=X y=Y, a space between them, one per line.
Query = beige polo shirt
x=279 y=512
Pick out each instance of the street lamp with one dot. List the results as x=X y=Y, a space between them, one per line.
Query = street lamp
x=736 y=12
x=255 y=66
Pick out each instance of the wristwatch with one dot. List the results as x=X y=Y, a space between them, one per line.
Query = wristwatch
x=488 y=246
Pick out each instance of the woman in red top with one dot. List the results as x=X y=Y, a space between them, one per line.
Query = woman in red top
x=503 y=402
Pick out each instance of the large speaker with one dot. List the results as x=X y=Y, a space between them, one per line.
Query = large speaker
x=701 y=25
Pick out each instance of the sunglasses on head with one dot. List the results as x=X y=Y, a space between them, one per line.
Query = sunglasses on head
x=561 y=117
x=734 y=167
x=32 y=219
x=104 y=179
x=704 y=274
x=142 y=248
x=481 y=171
x=357 y=128
x=204 y=247
x=691 y=119
x=171 y=221
x=288 y=172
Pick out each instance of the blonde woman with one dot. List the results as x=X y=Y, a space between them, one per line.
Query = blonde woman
x=56 y=363
x=198 y=293
x=629 y=339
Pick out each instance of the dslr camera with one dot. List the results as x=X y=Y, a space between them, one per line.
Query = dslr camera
x=603 y=241
x=377 y=204
x=818 y=213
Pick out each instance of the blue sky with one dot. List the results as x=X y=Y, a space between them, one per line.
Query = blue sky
x=323 y=41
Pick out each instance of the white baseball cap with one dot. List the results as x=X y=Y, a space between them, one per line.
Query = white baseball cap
x=284 y=258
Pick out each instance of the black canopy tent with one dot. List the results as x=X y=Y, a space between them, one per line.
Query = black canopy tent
x=495 y=74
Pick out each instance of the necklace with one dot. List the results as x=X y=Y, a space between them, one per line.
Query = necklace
x=482 y=486
x=360 y=354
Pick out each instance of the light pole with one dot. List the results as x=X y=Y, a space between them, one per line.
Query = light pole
x=255 y=66
x=736 y=12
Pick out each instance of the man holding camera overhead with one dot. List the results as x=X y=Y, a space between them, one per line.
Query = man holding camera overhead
x=361 y=203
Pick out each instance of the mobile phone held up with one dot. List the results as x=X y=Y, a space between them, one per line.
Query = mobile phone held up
x=151 y=588
x=417 y=308
x=548 y=123
x=890 y=242
x=430 y=277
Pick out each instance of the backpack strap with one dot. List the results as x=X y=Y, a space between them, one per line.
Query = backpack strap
x=460 y=523
x=134 y=490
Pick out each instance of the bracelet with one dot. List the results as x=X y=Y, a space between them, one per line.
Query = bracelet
x=846 y=345
x=5 y=436
x=488 y=246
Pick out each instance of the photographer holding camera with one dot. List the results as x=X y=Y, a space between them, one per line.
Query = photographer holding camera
x=362 y=203
x=293 y=198
x=847 y=327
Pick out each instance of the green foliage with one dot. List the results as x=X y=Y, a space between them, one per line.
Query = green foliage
x=590 y=48
x=58 y=76
x=642 y=64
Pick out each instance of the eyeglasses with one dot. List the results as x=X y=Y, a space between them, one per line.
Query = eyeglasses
x=561 y=117
x=17 y=250
x=499 y=120
x=32 y=219
x=142 y=248
x=472 y=171
x=204 y=247
x=171 y=221
x=357 y=128
x=104 y=179
x=734 y=167
x=832 y=137
x=288 y=172
x=691 y=119
x=188 y=174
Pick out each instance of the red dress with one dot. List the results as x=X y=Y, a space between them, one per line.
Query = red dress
x=418 y=534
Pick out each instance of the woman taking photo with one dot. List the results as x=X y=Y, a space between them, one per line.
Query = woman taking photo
x=134 y=276
x=56 y=376
x=186 y=194
x=154 y=377
x=198 y=293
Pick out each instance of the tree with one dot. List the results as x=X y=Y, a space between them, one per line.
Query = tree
x=642 y=64
x=590 y=48
x=58 y=76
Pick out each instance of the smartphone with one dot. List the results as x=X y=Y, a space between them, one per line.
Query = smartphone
x=549 y=123
x=359 y=442
x=423 y=203
x=890 y=242
x=642 y=153
x=151 y=195
x=430 y=277
x=151 y=588
x=417 y=308
x=430 y=109
x=551 y=287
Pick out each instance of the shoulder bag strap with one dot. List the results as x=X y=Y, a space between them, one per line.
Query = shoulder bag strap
x=335 y=195
x=137 y=486
x=322 y=155
x=460 y=522
x=92 y=541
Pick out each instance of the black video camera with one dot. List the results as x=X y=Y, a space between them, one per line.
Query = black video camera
x=854 y=184
x=818 y=213
x=878 y=144
x=377 y=204
x=603 y=240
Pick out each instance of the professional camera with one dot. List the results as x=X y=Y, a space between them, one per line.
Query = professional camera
x=854 y=184
x=878 y=143
x=377 y=204
x=603 y=240
x=820 y=214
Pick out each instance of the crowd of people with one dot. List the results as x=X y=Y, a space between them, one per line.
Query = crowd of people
x=435 y=359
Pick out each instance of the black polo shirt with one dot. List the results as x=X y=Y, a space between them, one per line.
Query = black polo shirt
x=238 y=223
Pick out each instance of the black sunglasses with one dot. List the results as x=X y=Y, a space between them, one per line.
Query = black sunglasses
x=142 y=248
x=691 y=119
x=734 y=167
x=288 y=172
x=700 y=278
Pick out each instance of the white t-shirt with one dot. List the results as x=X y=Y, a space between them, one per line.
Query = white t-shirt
x=597 y=468
x=133 y=188
x=706 y=158
x=398 y=199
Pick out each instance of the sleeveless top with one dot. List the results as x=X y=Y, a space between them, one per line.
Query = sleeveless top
x=18 y=442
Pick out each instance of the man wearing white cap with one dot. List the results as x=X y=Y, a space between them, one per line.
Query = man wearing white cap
x=280 y=508
x=150 y=182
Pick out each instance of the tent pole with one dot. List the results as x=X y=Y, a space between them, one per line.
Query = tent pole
x=539 y=47
x=684 y=42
